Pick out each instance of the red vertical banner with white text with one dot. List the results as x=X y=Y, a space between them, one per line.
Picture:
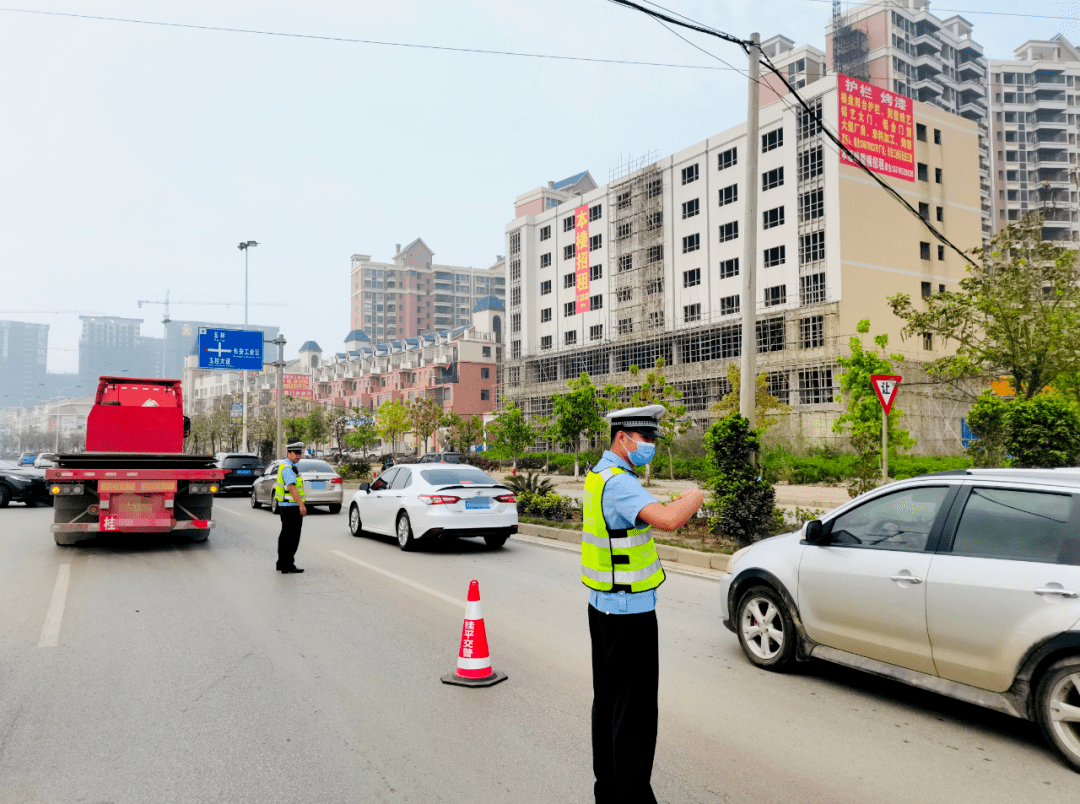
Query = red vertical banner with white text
x=581 y=259
x=876 y=125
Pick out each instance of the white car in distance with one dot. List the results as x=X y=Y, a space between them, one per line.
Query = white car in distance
x=434 y=501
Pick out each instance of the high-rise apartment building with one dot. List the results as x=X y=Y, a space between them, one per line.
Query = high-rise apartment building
x=111 y=345
x=665 y=265
x=24 y=351
x=411 y=295
x=1035 y=108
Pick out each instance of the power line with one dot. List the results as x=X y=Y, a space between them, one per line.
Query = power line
x=975 y=11
x=348 y=40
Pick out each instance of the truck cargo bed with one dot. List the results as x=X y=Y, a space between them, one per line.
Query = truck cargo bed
x=133 y=460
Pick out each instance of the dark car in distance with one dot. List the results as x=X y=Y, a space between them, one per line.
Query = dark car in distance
x=241 y=472
x=441 y=457
x=22 y=484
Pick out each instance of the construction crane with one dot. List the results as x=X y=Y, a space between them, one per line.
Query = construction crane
x=166 y=319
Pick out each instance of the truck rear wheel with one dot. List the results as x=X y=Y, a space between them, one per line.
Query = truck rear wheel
x=65 y=539
x=200 y=535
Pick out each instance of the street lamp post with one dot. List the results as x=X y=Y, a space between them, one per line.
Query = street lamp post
x=56 y=441
x=21 y=402
x=244 y=246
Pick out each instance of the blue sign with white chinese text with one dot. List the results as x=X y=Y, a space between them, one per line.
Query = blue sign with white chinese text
x=230 y=349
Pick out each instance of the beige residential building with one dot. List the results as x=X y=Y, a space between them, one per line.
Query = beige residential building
x=665 y=274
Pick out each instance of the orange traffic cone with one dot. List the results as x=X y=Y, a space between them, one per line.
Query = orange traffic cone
x=474 y=663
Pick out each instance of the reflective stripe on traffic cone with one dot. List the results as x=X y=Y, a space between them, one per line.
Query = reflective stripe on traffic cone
x=474 y=662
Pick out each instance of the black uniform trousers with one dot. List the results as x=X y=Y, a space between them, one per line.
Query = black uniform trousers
x=289 y=538
x=626 y=679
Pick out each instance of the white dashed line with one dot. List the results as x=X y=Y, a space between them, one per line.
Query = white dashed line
x=50 y=632
x=406 y=581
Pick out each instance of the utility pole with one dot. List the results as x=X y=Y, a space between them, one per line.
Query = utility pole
x=748 y=381
x=245 y=247
x=279 y=341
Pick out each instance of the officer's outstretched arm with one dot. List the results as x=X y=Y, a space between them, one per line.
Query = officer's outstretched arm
x=676 y=513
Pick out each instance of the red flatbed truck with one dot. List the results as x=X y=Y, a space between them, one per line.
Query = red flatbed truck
x=134 y=476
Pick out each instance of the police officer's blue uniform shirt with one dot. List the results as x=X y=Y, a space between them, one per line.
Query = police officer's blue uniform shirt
x=288 y=478
x=623 y=500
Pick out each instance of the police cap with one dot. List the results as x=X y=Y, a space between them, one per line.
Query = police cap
x=296 y=446
x=645 y=420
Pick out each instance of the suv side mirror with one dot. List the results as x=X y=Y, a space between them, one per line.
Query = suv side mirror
x=815 y=532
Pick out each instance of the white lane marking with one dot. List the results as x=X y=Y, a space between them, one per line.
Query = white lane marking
x=227 y=510
x=50 y=632
x=406 y=581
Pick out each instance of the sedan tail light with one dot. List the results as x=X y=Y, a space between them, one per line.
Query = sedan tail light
x=335 y=480
x=437 y=499
x=506 y=498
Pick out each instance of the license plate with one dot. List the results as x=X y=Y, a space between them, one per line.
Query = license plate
x=478 y=502
x=243 y=471
x=318 y=484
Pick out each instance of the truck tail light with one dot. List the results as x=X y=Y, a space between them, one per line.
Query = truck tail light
x=65 y=488
x=506 y=498
x=437 y=499
x=336 y=480
x=226 y=471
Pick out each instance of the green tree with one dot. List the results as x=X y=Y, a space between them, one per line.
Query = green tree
x=767 y=408
x=392 y=422
x=743 y=504
x=510 y=431
x=364 y=435
x=656 y=390
x=424 y=416
x=577 y=415
x=338 y=423
x=462 y=433
x=988 y=422
x=1017 y=314
x=1044 y=431
x=863 y=414
x=317 y=427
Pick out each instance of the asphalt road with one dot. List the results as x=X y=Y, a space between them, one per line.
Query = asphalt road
x=196 y=673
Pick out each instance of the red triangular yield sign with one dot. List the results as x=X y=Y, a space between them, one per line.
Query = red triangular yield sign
x=886 y=386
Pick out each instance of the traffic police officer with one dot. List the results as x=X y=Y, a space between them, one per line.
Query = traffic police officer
x=620 y=566
x=289 y=493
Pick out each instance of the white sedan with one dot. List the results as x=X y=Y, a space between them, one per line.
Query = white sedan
x=434 y=501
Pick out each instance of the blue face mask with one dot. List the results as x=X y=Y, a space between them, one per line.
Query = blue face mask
x=642 y=454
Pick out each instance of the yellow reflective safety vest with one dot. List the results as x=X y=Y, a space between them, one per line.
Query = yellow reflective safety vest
x=615 y=560
x=281 y=491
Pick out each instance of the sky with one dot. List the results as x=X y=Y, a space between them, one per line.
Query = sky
x=136 y=157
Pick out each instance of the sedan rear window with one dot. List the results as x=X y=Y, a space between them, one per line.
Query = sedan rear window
x=456 y=475
x=240 y=463
x=308 y=465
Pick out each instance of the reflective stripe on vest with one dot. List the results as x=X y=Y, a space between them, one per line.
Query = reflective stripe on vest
x=280 y=490
x=615 y=560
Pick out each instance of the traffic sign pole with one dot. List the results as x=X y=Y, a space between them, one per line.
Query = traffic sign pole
x=885 y=386
x=884 y=446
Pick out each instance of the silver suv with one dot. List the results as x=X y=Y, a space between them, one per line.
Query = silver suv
x=965 y=583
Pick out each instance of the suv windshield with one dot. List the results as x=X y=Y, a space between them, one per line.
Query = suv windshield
x=447 y=476
x=308 y=465
x=241 y=462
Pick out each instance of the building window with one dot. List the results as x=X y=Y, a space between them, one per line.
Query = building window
x=626 y=326
x=568 y=309
x=515 y=350
x=596 y=302
x=596 y=272
x=729 y=268
x=691 y=243
x=924 y=251
x=626 y=262
x=689 y=174
x=729 y=231
x=487 y=351
x=927 y=289
x=727 y=158
x=729 y=195
x=596 y=332
x=811 y=289
x=622 y=200
x=923 y=171
x=928 y=341
x=811 y=248
x=485 y=394
x=941 y=213
x=515 y=297
x=596 y=242
x=485 y=373
x=937 y=135
x=656 y=320
x=772 y=178
x=811 y=164
x=937 y=175
x=775 y=295
x=815 y=386
x=545 y=233
x=729 y=305
x=690 y=209
x=568 y=224
x=515 y=270
x=567 y=281
x=691 y=278
x=595 y=212
x=654 y=254
x=775 y=256
x=654 y=286
x=771 y=218
x=654 y=188
x=920 y=132
x=545 y=287
x=545 y=315
x=924 y=211
x=770 y=335
x=568 y=252
x=941 y=252
x=653 y=221
x=515 y=242
x=808 y=120
x=772 y=140
x=569 y=338
x=545 y=342
x=692 y=312
x=812 y=332
x=515 y=322
x=624 y=295
x=545 y=260
x=622 y=231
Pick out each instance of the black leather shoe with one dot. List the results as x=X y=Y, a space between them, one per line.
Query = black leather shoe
x=290 y=570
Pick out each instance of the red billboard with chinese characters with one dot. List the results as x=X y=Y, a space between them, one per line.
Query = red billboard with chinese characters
x=581 y=259
x=297 y=385
x=876 y=125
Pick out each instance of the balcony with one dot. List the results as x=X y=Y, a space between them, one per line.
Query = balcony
x=1047 y=79
x=1057 y=235
x=1047 y=119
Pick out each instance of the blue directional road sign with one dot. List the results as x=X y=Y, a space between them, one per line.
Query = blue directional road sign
x=231 y=349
